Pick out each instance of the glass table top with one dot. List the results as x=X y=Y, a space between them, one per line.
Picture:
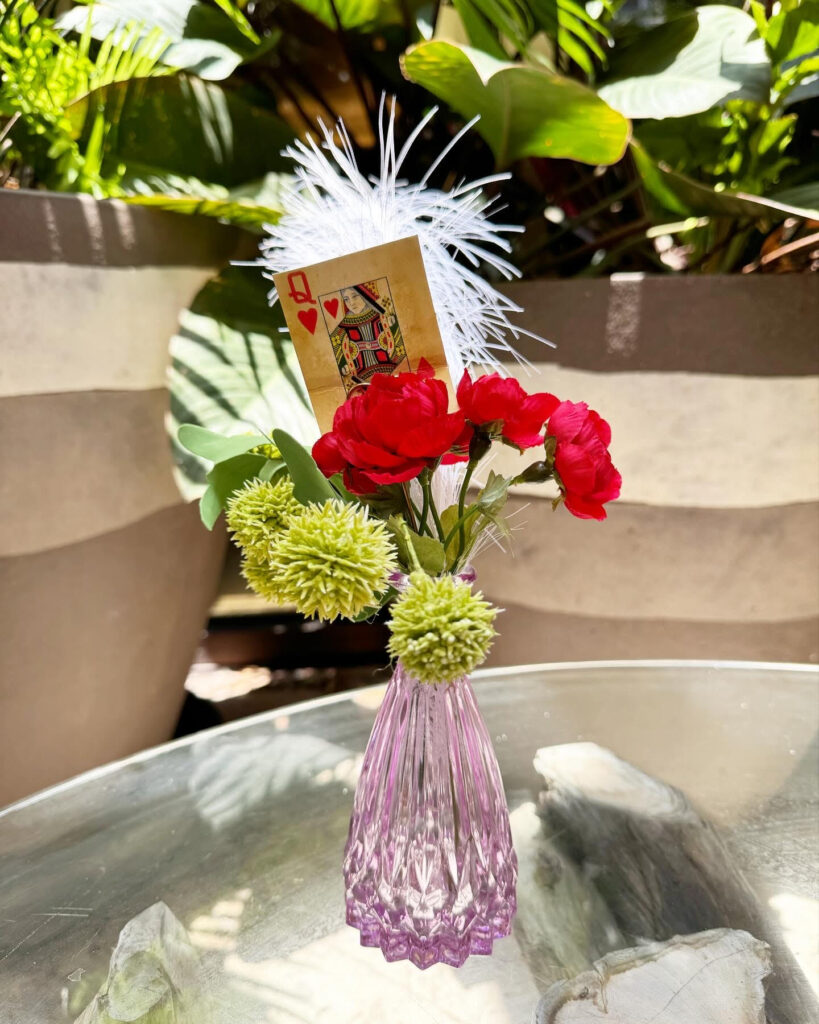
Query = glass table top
x=647 y=800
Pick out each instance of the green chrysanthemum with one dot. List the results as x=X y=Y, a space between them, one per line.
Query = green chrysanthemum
x=265 y=581
x=259 y=512
x=333 y=561
x=440 y=629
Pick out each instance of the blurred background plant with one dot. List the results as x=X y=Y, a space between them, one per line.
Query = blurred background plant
x=642 y=135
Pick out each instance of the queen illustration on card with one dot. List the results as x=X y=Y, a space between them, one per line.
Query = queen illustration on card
x=364 y=332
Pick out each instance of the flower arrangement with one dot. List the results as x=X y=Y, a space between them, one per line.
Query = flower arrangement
x=358 y=523
x=386 y=510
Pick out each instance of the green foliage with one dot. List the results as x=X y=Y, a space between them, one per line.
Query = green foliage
x=232 y=371
x=43 y=74
x=309 y=483
x=524 y=110
x=209 y=41
x=689 y=65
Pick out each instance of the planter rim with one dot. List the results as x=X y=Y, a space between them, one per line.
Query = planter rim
x=40 y=226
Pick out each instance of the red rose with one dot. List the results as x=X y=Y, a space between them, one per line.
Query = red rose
x=496 y=399
x=390 y=432
x=587 y=476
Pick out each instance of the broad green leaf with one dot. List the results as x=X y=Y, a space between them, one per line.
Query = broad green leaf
x=250 y=206
x=682 y=195
x=804 y=196
x=184 y=126
x=210 y=508
x=428 y=550
x=524 y=110
x=228 y=476
x=309 y=483
x=688 y=65
x=232 y=371
x=216 y=447
x=201 y=38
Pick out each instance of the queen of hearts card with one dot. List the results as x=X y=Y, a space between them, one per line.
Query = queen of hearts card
x=364 y=332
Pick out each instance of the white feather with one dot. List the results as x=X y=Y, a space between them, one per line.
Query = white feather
x=333 y=210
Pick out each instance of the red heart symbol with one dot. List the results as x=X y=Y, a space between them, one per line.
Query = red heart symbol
x=331 y=305
x=309 y=317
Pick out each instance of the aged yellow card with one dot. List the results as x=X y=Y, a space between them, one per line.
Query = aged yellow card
x=359 y=315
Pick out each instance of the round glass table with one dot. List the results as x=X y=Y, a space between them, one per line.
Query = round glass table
x=648 y=800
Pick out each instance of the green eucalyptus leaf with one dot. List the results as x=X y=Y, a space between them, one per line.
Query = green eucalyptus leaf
x=690 y=64
x=213 y=446
x=210 y=507
x=228 y=476
x=309 y=483
x=524 y=110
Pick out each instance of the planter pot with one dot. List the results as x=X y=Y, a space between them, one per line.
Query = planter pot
x=711 y=385
x=107 y=574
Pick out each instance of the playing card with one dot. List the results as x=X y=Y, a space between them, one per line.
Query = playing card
x=354 y=317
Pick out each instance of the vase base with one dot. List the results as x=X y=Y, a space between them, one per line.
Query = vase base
x=423 y=952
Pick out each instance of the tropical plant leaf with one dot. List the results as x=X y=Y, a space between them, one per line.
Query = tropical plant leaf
x=250 y=206
x=201 y=38
x=805 y=197
x=309 y=483
x=793 y=34
x=524 y=110
x=685 y=197
x=181 y=125
x=688 y=65
x=232 y=379
x=359 y=15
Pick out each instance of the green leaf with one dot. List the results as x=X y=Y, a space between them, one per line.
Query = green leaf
x=232 y=371
x=210 y=508
x=493 y=496
x=309 y=483
x=228 y=476
x=428 y=550
x=792 y=35
x=201 y=38
x=688 y=198
x=358 y=15
x=250 y=206
x=524 y=110
x=216 y=447
x=688 y=65
x=804 y=196
x=184 y=126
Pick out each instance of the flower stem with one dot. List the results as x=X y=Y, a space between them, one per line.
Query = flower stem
x=461 y=503
x=412 y=511
x=423 y=479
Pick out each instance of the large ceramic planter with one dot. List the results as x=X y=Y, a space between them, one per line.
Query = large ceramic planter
x=106 y=572
x=711 y=387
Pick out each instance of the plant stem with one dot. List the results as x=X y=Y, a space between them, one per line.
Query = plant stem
x=461 y=503
x=412 y=511
x=424 y=482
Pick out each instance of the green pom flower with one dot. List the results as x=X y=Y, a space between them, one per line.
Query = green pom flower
x=440 y=629
x=265 y=581
x=270 y=451
x=259 y=513
x=333 y=561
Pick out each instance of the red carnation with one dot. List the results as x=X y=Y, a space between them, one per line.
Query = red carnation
x=392 y=431
x=587 y=476
x=501 y=400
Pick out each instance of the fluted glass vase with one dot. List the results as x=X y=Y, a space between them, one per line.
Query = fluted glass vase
x=429 y=867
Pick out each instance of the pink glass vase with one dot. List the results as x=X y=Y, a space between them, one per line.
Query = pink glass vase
x=429 y=867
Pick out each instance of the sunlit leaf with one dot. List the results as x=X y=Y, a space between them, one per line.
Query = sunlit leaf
x=688 y=65
x=524 y=110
